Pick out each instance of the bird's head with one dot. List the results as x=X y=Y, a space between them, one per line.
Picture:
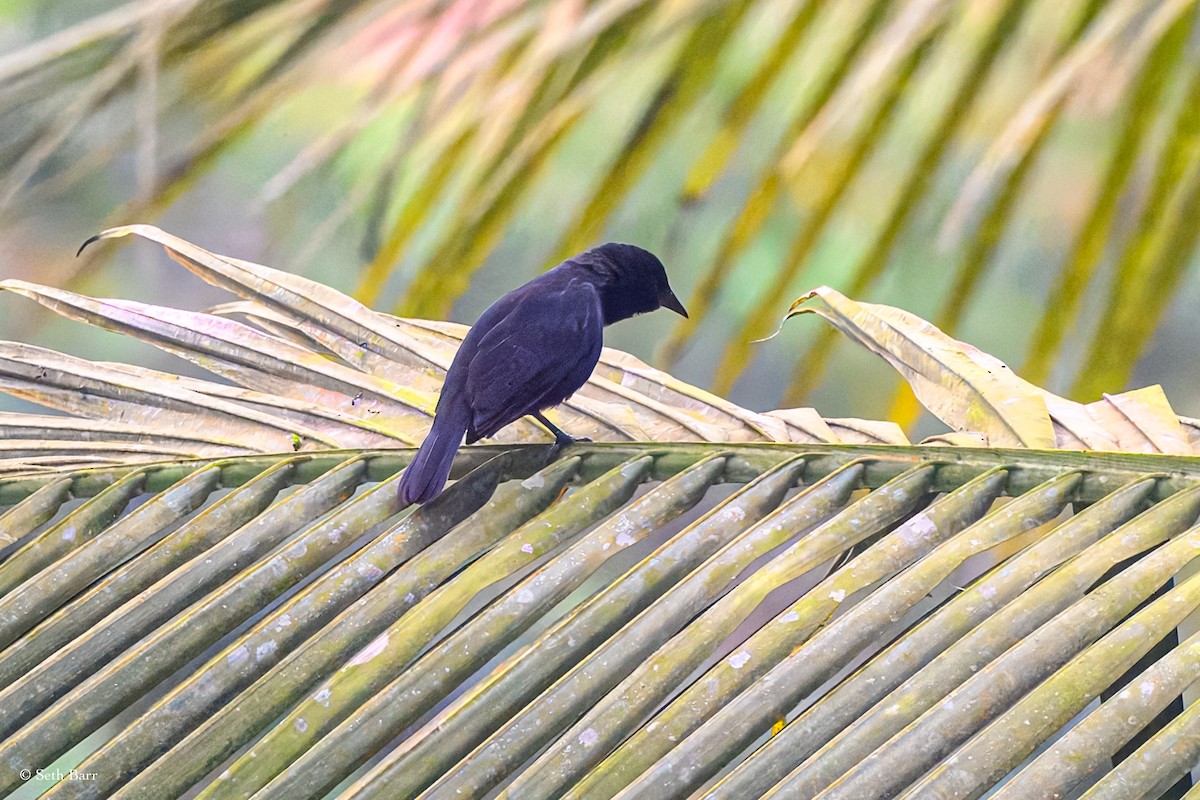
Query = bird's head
x=630 y=281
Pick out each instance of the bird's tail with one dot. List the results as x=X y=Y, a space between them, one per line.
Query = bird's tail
x=426 y=474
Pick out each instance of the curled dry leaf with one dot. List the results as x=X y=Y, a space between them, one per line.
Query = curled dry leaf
x=1142 y=421
x=316 y=369
x=985 y=402
x=312 y=368
x=967 y=389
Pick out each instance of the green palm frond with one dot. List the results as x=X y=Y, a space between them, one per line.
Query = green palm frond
x=288 y=601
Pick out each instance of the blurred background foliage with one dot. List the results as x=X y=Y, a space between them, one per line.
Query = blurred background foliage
x=1025 y=174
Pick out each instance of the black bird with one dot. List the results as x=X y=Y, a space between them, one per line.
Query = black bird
x=532 y=349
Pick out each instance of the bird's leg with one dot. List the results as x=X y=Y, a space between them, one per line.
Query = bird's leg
x=561 y=437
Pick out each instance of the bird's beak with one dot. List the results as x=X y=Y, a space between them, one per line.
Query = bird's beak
x=668 y=300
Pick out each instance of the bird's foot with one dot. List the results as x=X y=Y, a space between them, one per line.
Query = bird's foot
x=562 y=439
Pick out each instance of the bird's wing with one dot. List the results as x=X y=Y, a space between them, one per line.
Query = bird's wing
x=546 y=345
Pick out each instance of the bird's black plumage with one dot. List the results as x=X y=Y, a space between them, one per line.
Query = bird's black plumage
x=532 y=349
